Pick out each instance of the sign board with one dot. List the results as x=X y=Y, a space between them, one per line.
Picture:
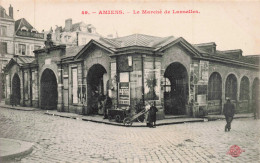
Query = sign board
x=124 y=93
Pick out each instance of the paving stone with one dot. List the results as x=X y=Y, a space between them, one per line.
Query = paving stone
x=59 y=139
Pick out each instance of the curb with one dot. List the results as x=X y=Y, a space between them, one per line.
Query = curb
x=120 y=124
x=222 y=118
x=26 y=148
x=15 y=108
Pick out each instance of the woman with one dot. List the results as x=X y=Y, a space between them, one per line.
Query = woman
x=152 y=115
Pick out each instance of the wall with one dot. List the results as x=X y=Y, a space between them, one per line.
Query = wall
x=225 y=70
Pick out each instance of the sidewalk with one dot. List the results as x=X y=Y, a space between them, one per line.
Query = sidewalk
x=11 y=149
x=236 y=116
x=99 y=119
x=3 y=105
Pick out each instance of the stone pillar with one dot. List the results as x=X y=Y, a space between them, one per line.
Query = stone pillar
x=60 y=91
x=223 y=100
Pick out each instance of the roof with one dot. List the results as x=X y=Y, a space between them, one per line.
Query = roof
x=139 y=40
x=21 y=61
x=22 y=22
x=72 y=51
x=5 y=15
x=155 y=43
x=76 y=26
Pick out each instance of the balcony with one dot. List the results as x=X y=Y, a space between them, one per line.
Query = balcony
x=30 y=34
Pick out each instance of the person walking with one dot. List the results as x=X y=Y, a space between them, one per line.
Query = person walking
x=229 y=111
x=152 y=115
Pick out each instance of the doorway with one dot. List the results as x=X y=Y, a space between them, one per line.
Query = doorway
x=176 y=89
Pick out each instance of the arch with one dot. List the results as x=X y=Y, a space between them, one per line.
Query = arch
x=16 y=89
x=176 y=90
x=255 y=90
x=231 y=87
x=215 y=86
x=96 y=86
x=244 y=88
x=49 y=90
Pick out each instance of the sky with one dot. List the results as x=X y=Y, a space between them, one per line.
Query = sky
x=230 y=24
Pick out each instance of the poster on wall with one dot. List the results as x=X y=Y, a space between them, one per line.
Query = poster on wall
x=204 y=72
x=124 y=93
x=151 y=84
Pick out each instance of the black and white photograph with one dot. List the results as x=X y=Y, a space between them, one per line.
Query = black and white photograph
x=84 y=81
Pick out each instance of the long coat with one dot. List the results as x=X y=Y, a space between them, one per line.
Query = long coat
x=152 y=114
x=229 y=109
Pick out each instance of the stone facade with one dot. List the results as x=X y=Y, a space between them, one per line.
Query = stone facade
x=180 y=78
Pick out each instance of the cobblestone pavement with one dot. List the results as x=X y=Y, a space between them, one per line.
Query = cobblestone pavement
x=59 y=139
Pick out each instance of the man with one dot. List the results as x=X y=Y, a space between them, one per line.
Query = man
x=229 y=111
x=108 y=105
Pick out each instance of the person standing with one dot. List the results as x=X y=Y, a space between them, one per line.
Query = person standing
x=229 y=111
x=107 y=105
x=152 y=115
x=147 y=118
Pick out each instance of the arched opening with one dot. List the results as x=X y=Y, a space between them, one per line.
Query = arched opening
x=16 y=94
x=231 y=87
x=176 y=89
x=96 y=87
x=49 y=91
x=255 y=90
x=244 y=89
x=215 y=86
x=244 y=95
x=215 y=93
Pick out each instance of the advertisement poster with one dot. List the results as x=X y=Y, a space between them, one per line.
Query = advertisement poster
x=124 y=93
x=151 y=84
x=64 y=60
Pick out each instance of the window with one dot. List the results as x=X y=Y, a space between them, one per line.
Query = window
x=231 y=87
x=215 y=87
x=21 y=49
x=24 y=28
x=33 y=30
x=3 y=30
x=3 y=47
x=244 y=89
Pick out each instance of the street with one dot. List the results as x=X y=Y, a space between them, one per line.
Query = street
x=59 y=139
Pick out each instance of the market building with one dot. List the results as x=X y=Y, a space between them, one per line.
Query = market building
x=181 y=78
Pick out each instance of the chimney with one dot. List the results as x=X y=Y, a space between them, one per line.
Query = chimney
x=11 y=12
x=68 y=24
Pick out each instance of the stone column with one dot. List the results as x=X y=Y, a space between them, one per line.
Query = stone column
x=60 y=90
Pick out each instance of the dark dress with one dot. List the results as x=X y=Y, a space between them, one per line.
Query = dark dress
x=152 y=114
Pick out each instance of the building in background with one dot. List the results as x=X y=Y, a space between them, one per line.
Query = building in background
x=16 y=38
x=27 y=38
x=74 y=34
x=6 y=36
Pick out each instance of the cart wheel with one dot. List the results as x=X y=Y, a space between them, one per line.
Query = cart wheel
x=118 y=118
x=110 y=118
x=127 y=122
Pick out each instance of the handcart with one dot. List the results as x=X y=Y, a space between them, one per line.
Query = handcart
x=128 y=121
x=117 y=114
